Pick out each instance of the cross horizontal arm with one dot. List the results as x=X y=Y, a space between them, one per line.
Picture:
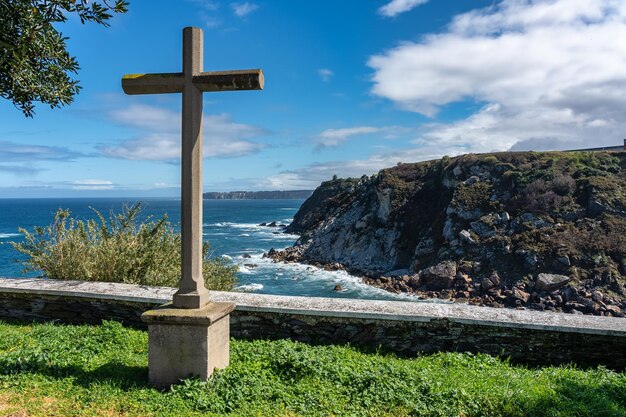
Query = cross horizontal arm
x=229 y=80
x=153 y=83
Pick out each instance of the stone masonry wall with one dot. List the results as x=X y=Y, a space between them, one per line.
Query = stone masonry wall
x=406 y=329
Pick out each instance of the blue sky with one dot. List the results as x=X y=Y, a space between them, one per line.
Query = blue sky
x=352 y=86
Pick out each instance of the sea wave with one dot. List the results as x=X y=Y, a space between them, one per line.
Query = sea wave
x=249 y=287
x=244 y=270
x=234 y=225
x=8 y=235
x=316 y=280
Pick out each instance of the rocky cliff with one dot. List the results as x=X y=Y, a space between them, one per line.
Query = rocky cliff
x=544 y=230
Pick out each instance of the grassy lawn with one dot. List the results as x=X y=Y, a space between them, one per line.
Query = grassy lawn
x=54 y=370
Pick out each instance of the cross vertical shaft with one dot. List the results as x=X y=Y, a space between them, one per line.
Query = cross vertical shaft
x=192 y=292
x=192 y=82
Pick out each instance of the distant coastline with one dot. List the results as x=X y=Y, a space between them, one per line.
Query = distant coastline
x=258 y=195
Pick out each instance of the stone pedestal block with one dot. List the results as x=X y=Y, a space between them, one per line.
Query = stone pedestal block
x=187 y=342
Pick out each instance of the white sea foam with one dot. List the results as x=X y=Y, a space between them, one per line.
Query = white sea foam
x=249 y=287
x=227 y=257
x=244 y=270
x=8 y=235
x=308 y=276
x=234 y=225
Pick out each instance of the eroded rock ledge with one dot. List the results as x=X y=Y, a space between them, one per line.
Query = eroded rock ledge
x=545 y=231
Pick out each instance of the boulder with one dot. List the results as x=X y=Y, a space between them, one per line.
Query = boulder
x=483 y=229
x=414 y=281
x=569 y=294
x=466 y=237
x=491 y=281
x=550 y=282
x=615 y=311
x=521 y=295
x=564 y=260
x=439 y=277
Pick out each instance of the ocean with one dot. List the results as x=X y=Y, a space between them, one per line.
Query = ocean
x=231 y=226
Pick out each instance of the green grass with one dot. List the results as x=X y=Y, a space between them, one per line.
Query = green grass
x=55 y=370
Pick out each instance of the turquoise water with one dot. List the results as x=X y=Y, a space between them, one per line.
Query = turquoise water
x=231 y=226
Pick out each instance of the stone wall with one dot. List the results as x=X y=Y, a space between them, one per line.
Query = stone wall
x=405 y=328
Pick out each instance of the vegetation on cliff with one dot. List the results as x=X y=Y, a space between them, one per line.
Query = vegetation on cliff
x=482 y=228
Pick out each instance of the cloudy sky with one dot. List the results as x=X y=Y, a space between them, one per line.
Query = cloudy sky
x=352 y=86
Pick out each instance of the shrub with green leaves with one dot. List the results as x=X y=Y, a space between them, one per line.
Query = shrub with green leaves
x=120 y=249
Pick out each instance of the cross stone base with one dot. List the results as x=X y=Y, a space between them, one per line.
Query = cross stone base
x=187 y=342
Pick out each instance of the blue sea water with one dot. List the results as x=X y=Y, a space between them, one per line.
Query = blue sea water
x=231 y=226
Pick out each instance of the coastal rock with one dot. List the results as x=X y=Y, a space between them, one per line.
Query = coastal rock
x=484 y=227
x=549 y=282
x=466 y=236
x=520 y=295
x=439 y=277
x=510 y=212
x=491 y=281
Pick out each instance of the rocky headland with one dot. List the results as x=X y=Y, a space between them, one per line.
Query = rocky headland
x=257 y=195
x=543 y=230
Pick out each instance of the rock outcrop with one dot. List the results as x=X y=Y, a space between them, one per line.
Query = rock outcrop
x=540 y=230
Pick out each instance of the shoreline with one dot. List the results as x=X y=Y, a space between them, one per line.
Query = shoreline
x=567 y=300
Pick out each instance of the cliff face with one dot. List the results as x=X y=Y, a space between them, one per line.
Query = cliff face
x=474 y=223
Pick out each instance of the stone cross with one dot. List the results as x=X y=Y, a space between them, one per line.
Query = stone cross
x=192 y=82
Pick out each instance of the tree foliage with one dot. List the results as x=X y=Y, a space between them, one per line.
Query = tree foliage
x=34 y=62
x=120 y=249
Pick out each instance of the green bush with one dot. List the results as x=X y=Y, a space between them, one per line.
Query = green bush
x=119 y=249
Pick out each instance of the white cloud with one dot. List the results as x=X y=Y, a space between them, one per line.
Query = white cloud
x=243 y=9
x=92 y=184
x=334 y=137
x=310 y=176
x=221 y=136
x=325 y=74
x=208 y=12
x=395 y=7
x=21 y=152
x=550 y=74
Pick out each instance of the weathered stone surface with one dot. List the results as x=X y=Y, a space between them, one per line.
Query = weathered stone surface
x=549 y=282
x=466 y=236
x=525 y=336
x=491 y=281
x=483 y=229
x=439 y=277
x=187 y=343
x=521 y=295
